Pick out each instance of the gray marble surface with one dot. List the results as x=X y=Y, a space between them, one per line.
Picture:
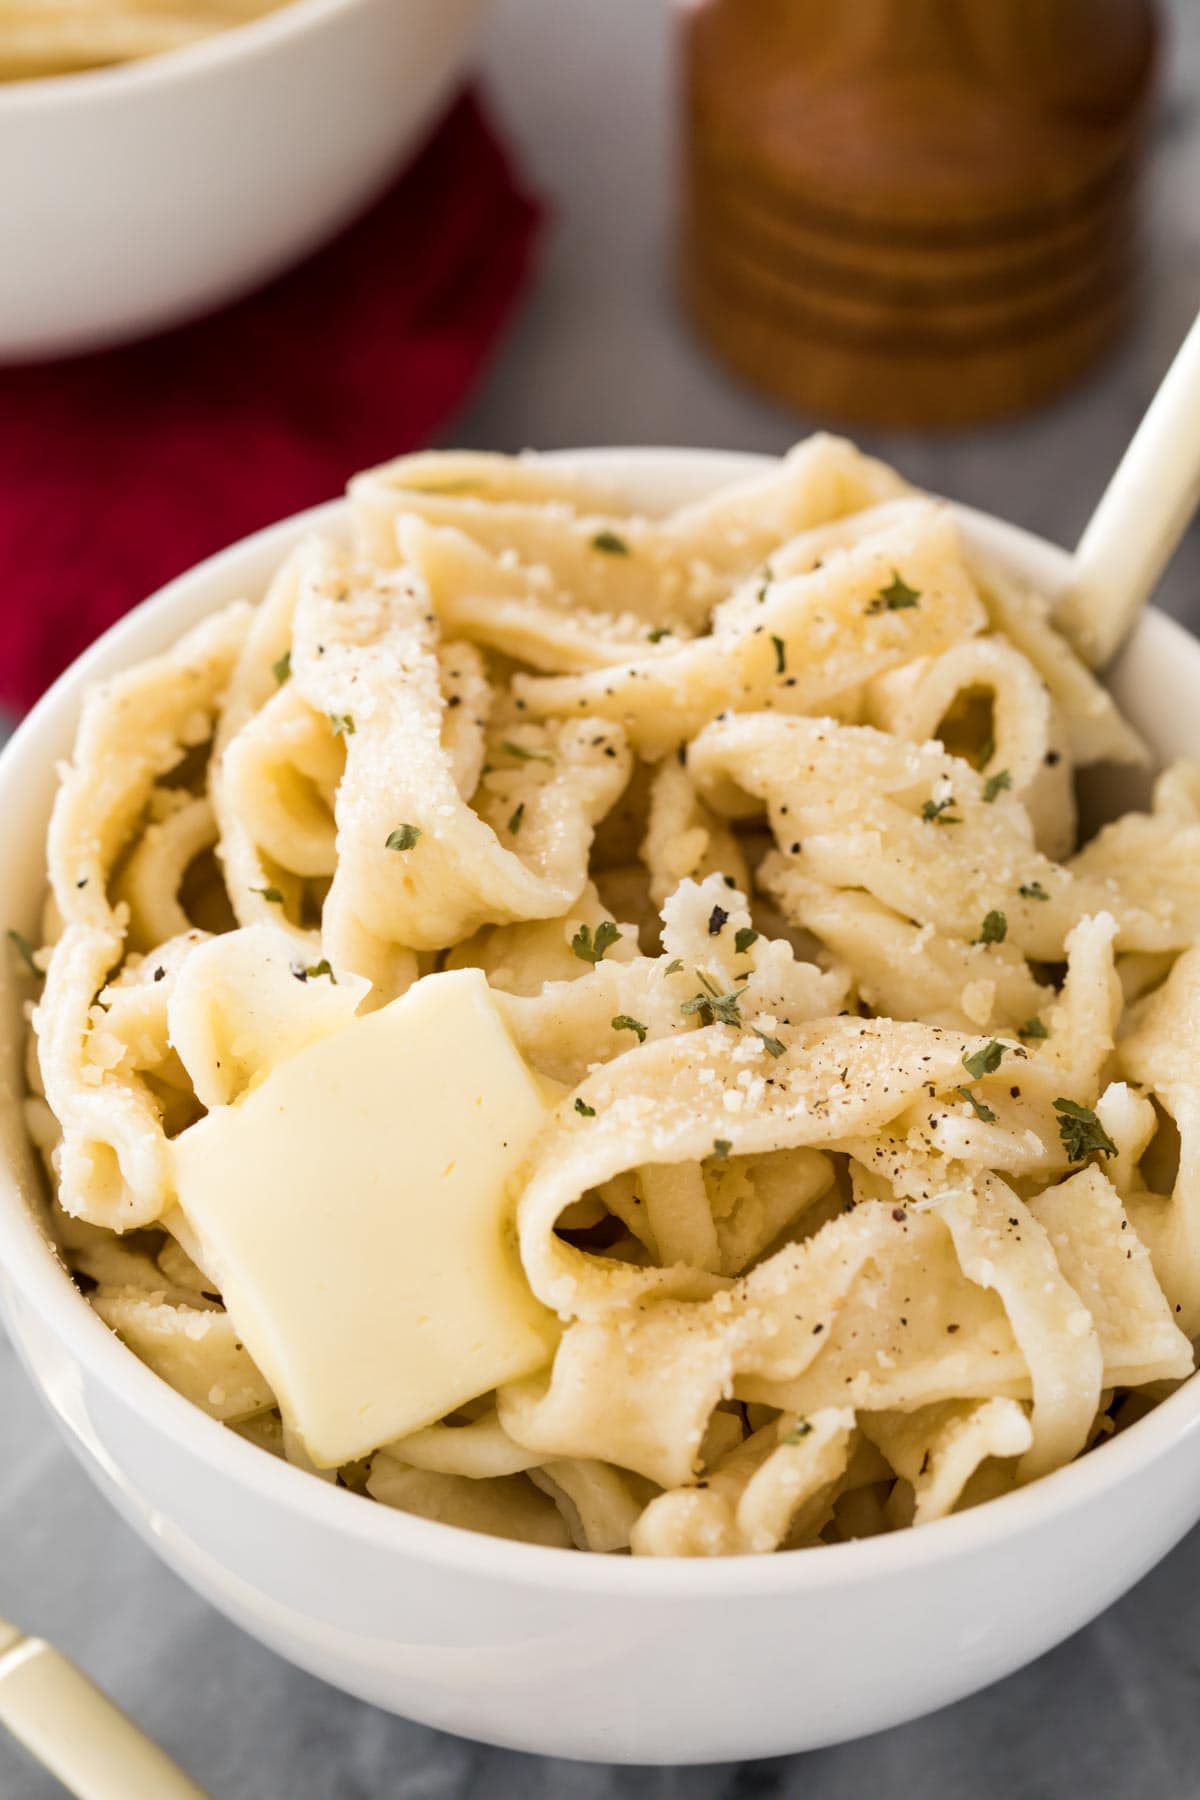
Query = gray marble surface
x=599 y=356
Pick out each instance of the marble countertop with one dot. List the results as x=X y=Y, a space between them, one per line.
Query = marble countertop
x=599 y=355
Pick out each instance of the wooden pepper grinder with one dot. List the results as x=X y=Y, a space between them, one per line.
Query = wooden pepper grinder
x=913 y=212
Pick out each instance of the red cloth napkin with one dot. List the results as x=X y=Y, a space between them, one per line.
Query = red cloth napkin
x=119 y=470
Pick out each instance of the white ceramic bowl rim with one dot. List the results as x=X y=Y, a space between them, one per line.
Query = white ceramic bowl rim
x=43 y=1283
x=230 y=43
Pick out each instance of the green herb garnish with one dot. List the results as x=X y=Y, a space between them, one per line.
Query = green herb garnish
x=1033 y=1028
x=523 y=753
x=744 y=938
x=996 y=784
x=659 y=633
x=590 y=946
x=269 y=893
x=674 y=966
x=897 y=596
x=712 y=1006
x=584 y=1110
x=985 y=1061
x=610 y=544
x=623 y=1022
x=994 y=929
x=980 y=1110
x=799 y=1430
x=764 y=582
x=773 y=1044
x=342 y=723
x=935 y=812
x=1081 y=1131
x=403 y=838
x=721 y=1148
x=24 y=950
x=283 y=668
x=320 y=968
x=1032 y=890
x=514 y=823
x=780 y=655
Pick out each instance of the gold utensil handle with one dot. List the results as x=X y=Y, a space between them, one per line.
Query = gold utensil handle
x=1145 y=510
x=77 y=1732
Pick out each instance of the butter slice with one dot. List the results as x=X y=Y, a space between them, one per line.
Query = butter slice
x=356 y=1210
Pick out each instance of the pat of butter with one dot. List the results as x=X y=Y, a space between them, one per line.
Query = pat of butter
x=356 y=1210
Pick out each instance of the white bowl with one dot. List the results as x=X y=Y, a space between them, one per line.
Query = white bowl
x=139 y=195
x=586 y=1656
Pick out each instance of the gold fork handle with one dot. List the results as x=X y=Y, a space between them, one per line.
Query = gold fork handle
x=77 y=1732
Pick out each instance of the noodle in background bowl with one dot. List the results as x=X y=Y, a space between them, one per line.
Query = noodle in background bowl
x=609 y=1658
x=143 y=194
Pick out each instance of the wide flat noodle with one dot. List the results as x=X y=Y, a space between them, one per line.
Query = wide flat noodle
x=569 y=1026
x=1024 y=751
x=799 y=642
x=1096 y=732
x=523 y=959
x=873 y=1310
x=1001 y=1246
x=507 y=1507
x=600 y=1505
x=1161 y=1051
x=867 y=1188
x=684 y=841
x=198 y=1352
x=916 y=828
x=60 y=37
x=905 y=970
x=366 y=659
x=671 y=570
x=112 y=1161
x=684 y=1098
x=938 y=1451
x=153 y=874
x=480 y=1449
x=518 y=611
x=274 y=770
x=1108 y=1266
x=1153 y=859
x=243 y=1002
x=748 y=1502
x=135 y=728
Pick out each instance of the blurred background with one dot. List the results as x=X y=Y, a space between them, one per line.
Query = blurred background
x=602 y=353
x=597 y=347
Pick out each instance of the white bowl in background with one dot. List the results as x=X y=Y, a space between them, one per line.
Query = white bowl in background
x=609 y=1658
x=136 y=196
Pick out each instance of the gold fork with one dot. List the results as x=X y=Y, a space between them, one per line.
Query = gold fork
x=76 y=1731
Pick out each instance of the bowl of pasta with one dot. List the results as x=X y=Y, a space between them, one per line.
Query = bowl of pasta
x=591 y=1149
x=165 y=156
